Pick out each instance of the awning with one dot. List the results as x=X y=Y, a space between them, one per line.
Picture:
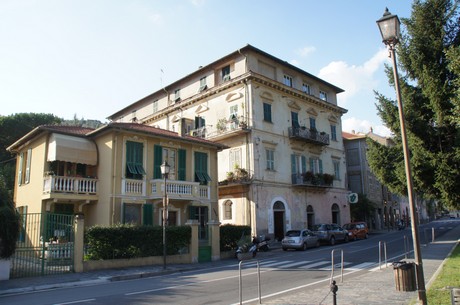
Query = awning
x=71 y=149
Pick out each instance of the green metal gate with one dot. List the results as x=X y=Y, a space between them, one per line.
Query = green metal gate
x=45 y=245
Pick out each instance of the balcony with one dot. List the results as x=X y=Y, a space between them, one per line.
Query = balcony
x=69 y=185
x=180 y=189
x=309 y=179
x=308 y=135
x=224 y=129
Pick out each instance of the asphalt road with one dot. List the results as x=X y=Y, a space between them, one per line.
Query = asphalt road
x=280 y=273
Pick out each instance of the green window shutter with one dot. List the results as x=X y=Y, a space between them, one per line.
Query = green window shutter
x=157 y=160
x=304 y=164
x=320 y=166
x=295 y=119
x=201 y=167
x=134 y=160
x=312 y=165
x=293 y=165
x=181 y=172
x=123 y=211
x=192 y=212
x=147 y=214
x=29 y=158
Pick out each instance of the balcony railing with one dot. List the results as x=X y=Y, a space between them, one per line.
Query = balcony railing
x=75 y=185
x=309 y=135
x=314 y=180
x=180 y=189
x=223 y=128
x=133 y=187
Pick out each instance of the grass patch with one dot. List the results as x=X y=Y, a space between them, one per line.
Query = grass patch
x=439 y=292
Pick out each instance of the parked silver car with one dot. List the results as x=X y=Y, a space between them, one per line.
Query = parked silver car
x=299 y=240
x=330 y=233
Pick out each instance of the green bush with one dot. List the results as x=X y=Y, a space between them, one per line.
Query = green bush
x=129 y=241
x=231 y=234
x=9 y=230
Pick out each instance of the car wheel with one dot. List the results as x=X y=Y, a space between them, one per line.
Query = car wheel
x=366 y=236
x=346 y=238
x=317 y=244
x=355 y=238
x=304 y=247
x=284 y=249
x=332 y=241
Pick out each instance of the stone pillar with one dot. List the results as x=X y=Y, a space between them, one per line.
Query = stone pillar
x=214 y=228
x=194 y=241
x=78 y=246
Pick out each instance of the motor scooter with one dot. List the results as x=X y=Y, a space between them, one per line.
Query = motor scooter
x=250 y=249
x=262 y=243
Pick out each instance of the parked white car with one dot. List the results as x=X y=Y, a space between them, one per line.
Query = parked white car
x=299 y=240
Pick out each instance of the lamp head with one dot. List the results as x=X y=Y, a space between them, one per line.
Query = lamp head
x=389 y=28
x=165 y=168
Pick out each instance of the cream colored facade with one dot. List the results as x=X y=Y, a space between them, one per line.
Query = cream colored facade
x=278 y=122
x=112 y=174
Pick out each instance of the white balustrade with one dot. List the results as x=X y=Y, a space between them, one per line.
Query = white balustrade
x=61 y=184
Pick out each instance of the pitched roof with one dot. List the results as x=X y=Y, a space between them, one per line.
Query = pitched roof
x=352 y=136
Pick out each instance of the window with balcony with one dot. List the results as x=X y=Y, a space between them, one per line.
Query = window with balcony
x=201 y=168
x=175 y=158
x=336 y=164
x=333 y=133
x=287 y=80
x=312 y=123
x=267 y=112
x=316 y=165
x=225 y=73
x=134 y=160
x=323 y=95
x=295 y=119
x=234 y=157
x=270 y=156
x=298 y=167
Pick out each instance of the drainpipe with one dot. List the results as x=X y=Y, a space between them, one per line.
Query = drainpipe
x=114 y=171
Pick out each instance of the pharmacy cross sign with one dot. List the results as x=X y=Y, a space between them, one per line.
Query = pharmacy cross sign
x=353 y=198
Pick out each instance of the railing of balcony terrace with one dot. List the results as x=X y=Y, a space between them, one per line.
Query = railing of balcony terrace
x=309 y=134
x=315 y=180
x=133 y=187
x=223 y=126
x=182 y=189
x=62 y=184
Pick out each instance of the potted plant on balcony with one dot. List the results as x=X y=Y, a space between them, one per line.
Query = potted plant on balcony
x=221 y=125
x=328 y=179
x=9 y=232
x=308 y=176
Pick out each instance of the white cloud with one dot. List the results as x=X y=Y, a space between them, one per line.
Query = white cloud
x=305 y=51
x=294 y=62
x=354 y=79
x=198 y=2
x=364 y=126
x=156 y=18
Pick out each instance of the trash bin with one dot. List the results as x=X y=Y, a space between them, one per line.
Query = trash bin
x=405 y=276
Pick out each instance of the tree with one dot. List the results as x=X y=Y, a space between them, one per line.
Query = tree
x=428 y=56
x=363 y=210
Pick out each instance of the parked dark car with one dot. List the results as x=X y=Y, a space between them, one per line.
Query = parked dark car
x=330 y=233
x=357 y=230
x=299 y=240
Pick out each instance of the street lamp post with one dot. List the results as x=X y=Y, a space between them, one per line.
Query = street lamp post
x=165 y=172
x=389 y=29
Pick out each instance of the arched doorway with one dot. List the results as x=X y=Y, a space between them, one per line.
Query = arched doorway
x=335 y=213
x=310 y=217
x=278 y=217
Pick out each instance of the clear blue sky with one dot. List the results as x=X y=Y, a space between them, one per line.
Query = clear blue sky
x=90 y=58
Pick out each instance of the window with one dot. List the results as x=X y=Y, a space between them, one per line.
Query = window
x=131 y=213
x=235 y=158
x=312 y=123
x=24 y=167
x=226 y=73
x=203 y=85
x=177 y=95
x=336 y=164
x=227 y=210
x=323 y=95
x=353 y=157
x=333 y=133
x=169 y=155
x=316 y=165
x=287 y=80
x=201 y=168
x=155 y=106
x=270 y=155
x=134 y=160
x=267 y=112
x=295 y=119
x=306 y=88
x=298 y=167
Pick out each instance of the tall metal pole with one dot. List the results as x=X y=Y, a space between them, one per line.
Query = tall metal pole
x=413 y=212
x=165 y=215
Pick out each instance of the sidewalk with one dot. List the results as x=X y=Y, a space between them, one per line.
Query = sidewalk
x=369 y=288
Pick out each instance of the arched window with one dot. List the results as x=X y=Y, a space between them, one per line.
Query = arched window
x=278 y=206
x=228 y=210
x=335 y=214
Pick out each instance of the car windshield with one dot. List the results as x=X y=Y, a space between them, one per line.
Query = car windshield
x=293 y=233
x=349 y=226
x=319 y=228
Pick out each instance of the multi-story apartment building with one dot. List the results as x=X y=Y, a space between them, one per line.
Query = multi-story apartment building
x=285 y=165
x=112 y=174
x=389 y=207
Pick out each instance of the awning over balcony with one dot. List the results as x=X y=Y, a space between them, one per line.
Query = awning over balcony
x=71 y=149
